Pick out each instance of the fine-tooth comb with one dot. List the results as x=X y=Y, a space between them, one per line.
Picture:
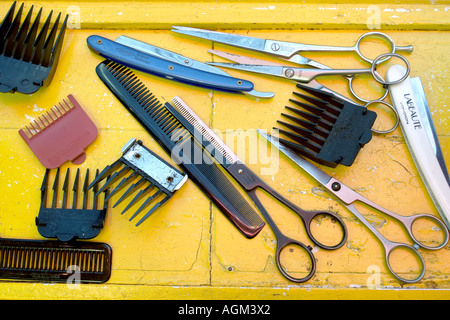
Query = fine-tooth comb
x=28 y=59
x=331 y=131
x=55 y=261
x=60 y=134
x=152 y=176
x=80 y=219
x=180 y=145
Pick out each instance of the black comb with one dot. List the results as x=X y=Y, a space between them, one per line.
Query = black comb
x=181 y=145
x=328 y=130
x=28 y=58
x=55 y=261
x=70 y=217
x=145 y=174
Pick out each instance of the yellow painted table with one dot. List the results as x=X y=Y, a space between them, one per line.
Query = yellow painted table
x=188 y=249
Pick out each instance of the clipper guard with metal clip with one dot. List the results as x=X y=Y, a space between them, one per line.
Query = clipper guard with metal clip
x=331 y=131
x=28 y=59
x=148 y=174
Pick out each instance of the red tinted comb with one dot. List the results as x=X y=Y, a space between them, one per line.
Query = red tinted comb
x=60 y=134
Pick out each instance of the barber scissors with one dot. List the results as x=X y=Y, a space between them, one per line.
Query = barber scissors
x=250 y=183
x=348 y=197
x=290 y=50
x=313 y=84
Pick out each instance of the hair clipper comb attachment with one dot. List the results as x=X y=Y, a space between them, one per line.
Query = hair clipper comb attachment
x=81 y=219
x=145 y=174
x=60 y=134
x=55 y=261
x=28 y=57
x=329 y=130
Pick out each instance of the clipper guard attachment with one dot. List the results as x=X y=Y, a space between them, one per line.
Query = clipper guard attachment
x=329 y=131
x=28 y=57
x=60 y=134
x=149 y=175
x=78 y=217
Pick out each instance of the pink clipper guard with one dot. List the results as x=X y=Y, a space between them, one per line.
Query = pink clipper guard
x=61 y=134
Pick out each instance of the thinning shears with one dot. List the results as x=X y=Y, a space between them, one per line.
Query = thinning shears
x=348 y=197
x=250 y=183
x=289 y=51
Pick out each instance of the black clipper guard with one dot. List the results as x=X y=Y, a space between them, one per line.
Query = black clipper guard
x=329 y=131
x=28 y=59
x=81 y=219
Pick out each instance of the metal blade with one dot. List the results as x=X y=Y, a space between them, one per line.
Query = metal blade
x=261 y=69
x=315 y=172
x=242 y=59
x=247 y=60
x=178 y=58
x=427 y=122
x=168 y=55
x=251 y=43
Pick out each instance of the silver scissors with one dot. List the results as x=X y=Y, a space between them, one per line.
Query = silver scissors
x=313 y=84
x=290 y=50
x=348 y=197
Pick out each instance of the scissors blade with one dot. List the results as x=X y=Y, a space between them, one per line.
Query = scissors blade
x=270 y=70
x=242 y=59
x=315 y=172
x=246 y=42
x=248 y=60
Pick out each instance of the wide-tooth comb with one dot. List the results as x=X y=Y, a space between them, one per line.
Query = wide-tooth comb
x=149 y=176
x=175 y=139
x=28 y=58
x=67 y=218
x=328 y=130
x=55 y=261
x=60 y=134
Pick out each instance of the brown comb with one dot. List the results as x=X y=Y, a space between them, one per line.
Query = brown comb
x=61 y=134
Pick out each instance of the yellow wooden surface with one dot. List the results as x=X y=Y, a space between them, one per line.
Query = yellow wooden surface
x=188 y=249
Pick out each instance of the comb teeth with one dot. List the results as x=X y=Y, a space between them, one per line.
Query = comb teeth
x=61 y=134
x=54 y=261
x=28 y=56
x=206 y=133
x=64 y=217
x=327 y=129
x=146 y=176
x=45 y=120
x=150 y=105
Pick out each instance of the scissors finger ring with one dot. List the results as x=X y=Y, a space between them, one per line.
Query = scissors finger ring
x=379 y=78
x=393 y=110
x=383 y=36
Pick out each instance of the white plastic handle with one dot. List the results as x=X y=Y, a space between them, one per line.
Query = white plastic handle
x=402 y=96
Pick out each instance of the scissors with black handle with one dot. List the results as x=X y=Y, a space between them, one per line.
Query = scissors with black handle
x=250 y=182
x=348 y=197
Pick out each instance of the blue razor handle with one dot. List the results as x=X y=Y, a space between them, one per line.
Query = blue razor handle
x=141 y=61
